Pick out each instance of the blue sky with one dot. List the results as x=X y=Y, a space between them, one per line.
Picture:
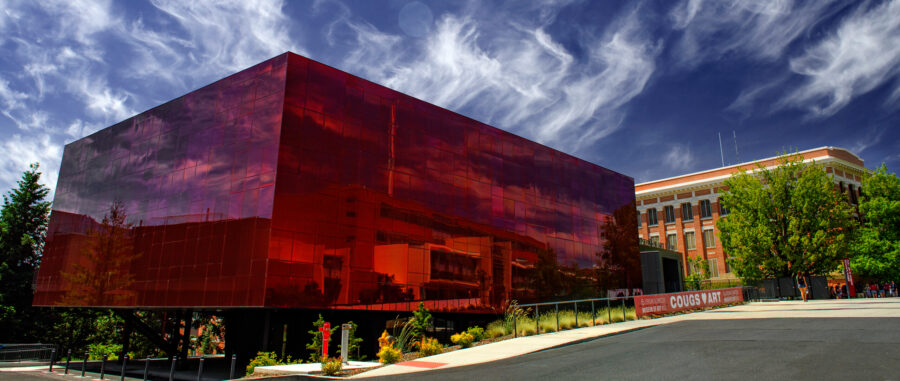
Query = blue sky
x=640 y=87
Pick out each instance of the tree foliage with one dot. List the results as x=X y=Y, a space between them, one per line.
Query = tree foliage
x=23 y=227
x=421 y=321
x=699 y=270
x=876 y=249
x=785 y=221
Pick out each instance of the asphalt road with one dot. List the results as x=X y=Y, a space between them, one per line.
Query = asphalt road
x=766 y=349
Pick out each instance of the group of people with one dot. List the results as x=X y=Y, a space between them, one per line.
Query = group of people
x=869 y=290
x=876 y=290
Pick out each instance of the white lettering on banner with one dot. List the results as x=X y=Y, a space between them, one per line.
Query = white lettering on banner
x=686 y=300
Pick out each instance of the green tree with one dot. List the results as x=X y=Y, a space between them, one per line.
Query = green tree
x=876 y=248
x=23 y=227
x=785 y=221
x=699 y=271
x=212 y=333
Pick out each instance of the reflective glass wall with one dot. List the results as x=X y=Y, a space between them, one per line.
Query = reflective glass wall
x=382 y=200
x=194 y=179
x=293 y=184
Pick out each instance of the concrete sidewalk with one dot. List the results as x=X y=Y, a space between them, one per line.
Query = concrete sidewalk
x=886 y=307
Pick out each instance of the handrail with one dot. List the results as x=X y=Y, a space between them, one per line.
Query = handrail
x=576 y=301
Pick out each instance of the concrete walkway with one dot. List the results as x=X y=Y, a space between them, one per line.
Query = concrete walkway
x=885 y=307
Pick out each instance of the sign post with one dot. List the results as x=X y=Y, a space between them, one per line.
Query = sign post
x=345 y=343
x=326 y=335
x=848 y=277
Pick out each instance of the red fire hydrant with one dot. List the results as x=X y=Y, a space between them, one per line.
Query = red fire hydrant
x=326 y=335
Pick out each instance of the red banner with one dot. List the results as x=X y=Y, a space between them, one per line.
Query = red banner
x=848 y=277
x=680 y=301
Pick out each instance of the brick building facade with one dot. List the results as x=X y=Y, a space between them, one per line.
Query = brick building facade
x=681 y=212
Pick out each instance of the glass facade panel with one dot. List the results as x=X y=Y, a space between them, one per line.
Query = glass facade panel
x=293 y=184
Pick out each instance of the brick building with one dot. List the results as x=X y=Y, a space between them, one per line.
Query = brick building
x=681 y=212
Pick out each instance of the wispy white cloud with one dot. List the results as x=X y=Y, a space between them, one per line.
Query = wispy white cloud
x=757 y=29
x=862 y=54
x=80 y=65
x=679 y=157
x=221 y=36
x=22 y=150
x=512 y=73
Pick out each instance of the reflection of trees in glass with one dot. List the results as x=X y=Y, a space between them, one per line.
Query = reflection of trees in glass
x=102 y=275
x=618 y=264
x=547 y=280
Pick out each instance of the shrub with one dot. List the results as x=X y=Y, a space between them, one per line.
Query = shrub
x=476 y=332
x=389 y=355
x=496 y=328
x=331 y=367
x=96 y=351
x=421 y=321
x=464 y=339
x=430 y=347
x=405 y=336
x=262 y=359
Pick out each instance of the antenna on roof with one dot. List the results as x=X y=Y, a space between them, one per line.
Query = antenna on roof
x=736 y=154
x=721 y=152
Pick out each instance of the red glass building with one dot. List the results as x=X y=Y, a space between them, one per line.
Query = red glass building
x=295 y=185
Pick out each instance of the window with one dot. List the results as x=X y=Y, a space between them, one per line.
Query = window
x=651 y=216
x=654 y=240
x=671 y=242
x=853 y=199
x=639 y=218
x=687 y=212
x=709 y=238
x=689 y=242
x=727 y=266
x=705 y=210
x=723 y=211
x=713 y=266
x=670 y=214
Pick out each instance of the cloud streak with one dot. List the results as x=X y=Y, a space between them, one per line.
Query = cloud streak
x=760 y=30
x=81 y=64
x=862 y=54
x=513 y=74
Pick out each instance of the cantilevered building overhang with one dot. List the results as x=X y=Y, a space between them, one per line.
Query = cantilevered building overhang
x=293 y=184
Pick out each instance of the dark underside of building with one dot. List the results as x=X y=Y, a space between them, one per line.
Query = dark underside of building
x=292 y=189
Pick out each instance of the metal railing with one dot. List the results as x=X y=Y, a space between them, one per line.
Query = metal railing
x=26 y=352
x=711 y=284
x=162 y=367
x=523 y=318
x=647 y=242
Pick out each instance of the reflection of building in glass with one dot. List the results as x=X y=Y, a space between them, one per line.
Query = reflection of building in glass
x=681 y=212
x=292 y=184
